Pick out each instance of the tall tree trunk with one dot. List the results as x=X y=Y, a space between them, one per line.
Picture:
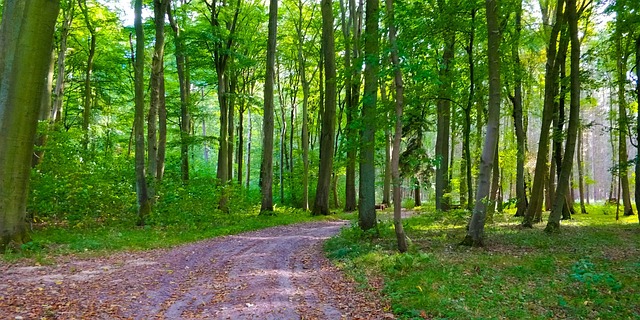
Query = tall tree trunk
x=45 y=111
x=367 y=195
x=495 y=183
x=306 y=92
x=144 y=203
x=475 y=234
x=26 y=38
x=386 y=189
x=574 y=121
x=444 y=121
x=623 y=123
x=466 y=150
x=156 y=81
x=58 y=93
x=266 y=166
x=637 y=192
x=185 y=96
x=551 y=72
x=87 y=98
x=581 y=170
x=516 y=99
x=222 y=172
x=233 y=86
x=162 y=130
x=240 y=150
x=397 y=137
x=321 y=204
x=250 y=129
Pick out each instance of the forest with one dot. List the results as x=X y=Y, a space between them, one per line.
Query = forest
x=445 y=130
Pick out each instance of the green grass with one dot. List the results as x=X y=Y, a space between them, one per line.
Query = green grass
x=90 y=237
x=590 y=270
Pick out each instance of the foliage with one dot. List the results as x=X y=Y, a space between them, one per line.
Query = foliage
x=589 y=271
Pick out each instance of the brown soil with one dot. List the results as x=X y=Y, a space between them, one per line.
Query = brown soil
x=275 y=273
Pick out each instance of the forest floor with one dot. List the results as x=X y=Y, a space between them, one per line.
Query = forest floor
x=274 y=273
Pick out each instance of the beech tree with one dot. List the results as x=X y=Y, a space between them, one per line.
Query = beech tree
x=26 y=37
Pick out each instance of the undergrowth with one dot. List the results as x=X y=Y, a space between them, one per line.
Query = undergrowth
x=589 y=270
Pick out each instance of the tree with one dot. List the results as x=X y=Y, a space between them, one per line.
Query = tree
x=397 y=137
x=157 y=118
x=26 y=38
x=327 y=136
x=87 y=95
x=144 y=202
x=475 y=234
x=266 y=167
x=574 y=121
x=367 y=196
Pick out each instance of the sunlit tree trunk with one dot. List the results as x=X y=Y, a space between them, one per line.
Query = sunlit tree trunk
x=45 y=111
x=475 y=234
x=537 y=190
x=156 y=82
x=26 y=38
x=144 y=203
x=623 y=123
x=638 y=125
x=580 y=162
x=466 y=140
x=574 y=122
x=266 y=166
x=516 y=99
x=58 y=93
x=327 y=135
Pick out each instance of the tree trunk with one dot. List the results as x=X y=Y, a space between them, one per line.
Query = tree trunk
x=386 y=188
x=87 y=95
x=58 y=93
x=581 y=170
x=162 y=130
x=233 y=86
x=306 y=92
x=250 y=129
x=367 y=194
x=466 y=150
x=516 y=99
x=156 y=81
x=637 y=192
x=144 y=203
x=444 y=123
x=45 y=111
x=185 y=96
x=574 y=121
x=266 y=166
x=222 y=172
x=26 y=38
x=397 y=137
x=495 y=183
x=537 y=195
x=321 y=204
x=475 y=234
x=623 y=123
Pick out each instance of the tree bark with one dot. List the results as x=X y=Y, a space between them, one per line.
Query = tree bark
x=466 y=150
x=327 y=135
x=144 y=203
x=516 y=99
x=26 y=38
x=397 y=137
x=637 y=192
x=87 y=95
x=185 y=96
x=475 y=234
x=623 y=123
x=537 y=194
x=386 y=187
x=156 y=82
x=233 y=86
x=367 y=194
x=44 y=112
x=266 y=166
x=574 y=121
x=58 y=93
x=306 y=92
x=583 y=209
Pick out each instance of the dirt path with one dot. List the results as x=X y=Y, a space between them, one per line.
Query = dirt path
x=275 y=273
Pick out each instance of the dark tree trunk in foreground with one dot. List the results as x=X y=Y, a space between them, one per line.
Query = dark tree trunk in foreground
x=26 y=38
x=397 y=137
x=367 y=195
x=327 y=134
x=516 y=99
x=475 y=234
x=574 y=122
x=144 y=203
x=266 y=166
x=541 y=170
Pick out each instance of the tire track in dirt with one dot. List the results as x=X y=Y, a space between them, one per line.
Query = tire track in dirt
x=274 y=273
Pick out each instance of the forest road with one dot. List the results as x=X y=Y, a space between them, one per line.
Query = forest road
x=274 y=273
